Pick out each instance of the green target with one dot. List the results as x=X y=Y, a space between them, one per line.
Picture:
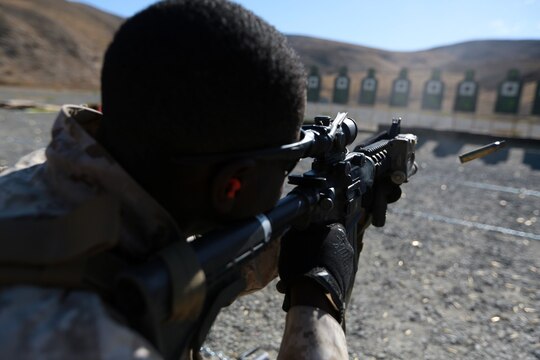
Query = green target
x=467 y=93
x=368 y=89
x=314 y=85
x=401 y=88
x=433 y=92
x=341 y=87
x=509 y=93
x=536 y=106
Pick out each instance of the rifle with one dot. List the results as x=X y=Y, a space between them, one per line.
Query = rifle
x=175 y=311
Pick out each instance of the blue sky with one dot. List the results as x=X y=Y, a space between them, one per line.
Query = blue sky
x=402 y=25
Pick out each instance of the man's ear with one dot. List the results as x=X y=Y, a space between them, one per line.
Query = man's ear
x=228 y=184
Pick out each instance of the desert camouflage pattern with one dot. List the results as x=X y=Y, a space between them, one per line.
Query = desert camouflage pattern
x=76 y=170
x=54 y=323
x=37 y=323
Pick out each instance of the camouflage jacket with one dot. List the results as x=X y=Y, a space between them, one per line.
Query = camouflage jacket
x=52 y=322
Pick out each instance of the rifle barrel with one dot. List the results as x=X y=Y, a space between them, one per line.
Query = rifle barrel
x=216 y=249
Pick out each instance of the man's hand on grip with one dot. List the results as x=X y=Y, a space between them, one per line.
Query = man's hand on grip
x=320 y=257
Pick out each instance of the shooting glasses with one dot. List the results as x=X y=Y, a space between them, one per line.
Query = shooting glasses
x=315 y=141
x=288 y=154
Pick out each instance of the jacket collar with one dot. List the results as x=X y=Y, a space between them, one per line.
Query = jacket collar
x=79 y=168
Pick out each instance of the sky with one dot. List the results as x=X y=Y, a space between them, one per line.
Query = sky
x=398 y=25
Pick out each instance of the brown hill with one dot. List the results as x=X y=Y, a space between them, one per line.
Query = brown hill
x=52 y=43
x=56 y=43
x=489 y=58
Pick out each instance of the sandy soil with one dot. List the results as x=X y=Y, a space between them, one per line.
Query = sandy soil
x=453 y=275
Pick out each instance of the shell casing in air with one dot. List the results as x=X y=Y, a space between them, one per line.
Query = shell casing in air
x=483 y=151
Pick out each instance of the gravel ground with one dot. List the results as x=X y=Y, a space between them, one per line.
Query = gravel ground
x=25 y=131
x=453 y=275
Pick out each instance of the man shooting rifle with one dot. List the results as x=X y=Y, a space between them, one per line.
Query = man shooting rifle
x=93 y=233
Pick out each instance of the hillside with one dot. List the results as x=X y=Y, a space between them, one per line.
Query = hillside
x=60 y=44
x=489 y=58
x=52 y=43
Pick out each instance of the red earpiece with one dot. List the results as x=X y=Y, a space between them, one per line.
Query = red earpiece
x=233 y=186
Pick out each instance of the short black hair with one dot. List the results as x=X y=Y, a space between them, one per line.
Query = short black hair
x=198 y=76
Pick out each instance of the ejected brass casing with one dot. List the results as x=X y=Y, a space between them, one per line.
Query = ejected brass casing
x=481 y=152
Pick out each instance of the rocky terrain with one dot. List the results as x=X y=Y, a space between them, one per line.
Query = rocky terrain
x=500 y=55
x=454 y=274
x=59 y=44
x=53 y=43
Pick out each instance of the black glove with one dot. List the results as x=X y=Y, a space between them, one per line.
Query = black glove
x=322 y=254
x=325 y=256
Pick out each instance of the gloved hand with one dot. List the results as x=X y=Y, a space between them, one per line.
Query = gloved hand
x=320 y=257
x=317 y=266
